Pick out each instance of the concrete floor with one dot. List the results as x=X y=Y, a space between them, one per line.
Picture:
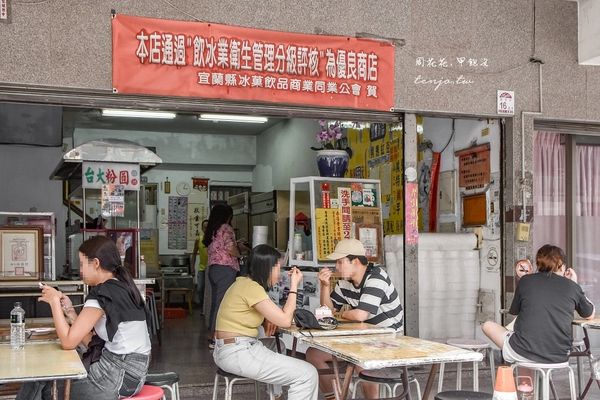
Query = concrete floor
x=184 y=350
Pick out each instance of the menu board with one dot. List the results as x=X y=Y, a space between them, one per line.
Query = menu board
x=177 y=233
x=329 y=230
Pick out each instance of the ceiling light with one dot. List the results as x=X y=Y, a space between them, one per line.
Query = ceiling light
x=113 y=112
x=234 y=118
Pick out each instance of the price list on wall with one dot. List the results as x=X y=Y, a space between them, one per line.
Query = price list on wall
x=329 y=230
x=177 y=233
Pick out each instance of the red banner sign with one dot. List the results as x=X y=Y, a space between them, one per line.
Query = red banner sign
x=194 y=59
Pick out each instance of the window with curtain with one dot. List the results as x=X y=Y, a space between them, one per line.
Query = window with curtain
x=550 y=207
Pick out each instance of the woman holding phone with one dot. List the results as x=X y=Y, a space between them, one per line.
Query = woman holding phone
x=115 y=311
x=544 y=303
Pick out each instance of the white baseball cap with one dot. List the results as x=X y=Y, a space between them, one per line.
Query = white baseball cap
x=347 y=247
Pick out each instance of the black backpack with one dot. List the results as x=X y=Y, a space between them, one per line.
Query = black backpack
x=305 y=319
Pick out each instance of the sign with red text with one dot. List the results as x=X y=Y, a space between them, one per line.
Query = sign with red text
x=411 y=212
x=196 y=59
x=96 y=174
x=344 y=198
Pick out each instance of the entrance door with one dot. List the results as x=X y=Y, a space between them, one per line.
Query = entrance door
x=567 y=202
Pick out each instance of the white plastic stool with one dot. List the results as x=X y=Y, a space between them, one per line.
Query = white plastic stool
x=475 y=345
x=230 y=380
x=546 y=372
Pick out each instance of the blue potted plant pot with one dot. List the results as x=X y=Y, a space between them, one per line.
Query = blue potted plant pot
x=332 y=163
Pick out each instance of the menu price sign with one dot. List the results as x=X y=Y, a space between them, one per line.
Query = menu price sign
x=505 y=102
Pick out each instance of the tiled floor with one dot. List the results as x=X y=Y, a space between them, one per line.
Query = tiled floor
x=184 y=350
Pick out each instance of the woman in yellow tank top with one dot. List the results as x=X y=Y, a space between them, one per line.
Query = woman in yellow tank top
x=245 y=307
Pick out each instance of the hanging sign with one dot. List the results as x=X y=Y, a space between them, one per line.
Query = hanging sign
x=505 y=102
x=195 y=59
x=96 y=174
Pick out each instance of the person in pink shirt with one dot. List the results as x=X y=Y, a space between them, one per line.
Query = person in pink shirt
x=223 y=264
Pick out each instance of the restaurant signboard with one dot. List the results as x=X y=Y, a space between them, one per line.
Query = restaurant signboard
x=197 y=59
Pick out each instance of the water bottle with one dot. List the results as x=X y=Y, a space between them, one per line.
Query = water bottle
x=17 y=327
x=142 y=267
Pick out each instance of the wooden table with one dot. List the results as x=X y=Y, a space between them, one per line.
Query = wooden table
x=41 y=361
x=376 y=351
x=587 y=352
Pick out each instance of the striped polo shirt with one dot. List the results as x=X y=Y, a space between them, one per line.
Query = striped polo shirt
x=376 y=295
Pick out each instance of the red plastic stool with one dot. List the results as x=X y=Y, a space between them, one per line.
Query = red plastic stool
x=148 y=392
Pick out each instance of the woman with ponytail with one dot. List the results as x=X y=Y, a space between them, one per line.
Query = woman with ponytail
x=115 y=311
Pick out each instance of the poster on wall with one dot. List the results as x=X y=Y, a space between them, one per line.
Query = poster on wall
x=474 y=167
x=177 y=223
x=198 y=210
x=329 y=230
x=112 y=202
x=411 y=212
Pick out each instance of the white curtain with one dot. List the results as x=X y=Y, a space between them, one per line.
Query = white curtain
x=549 y=190
x=587 y=214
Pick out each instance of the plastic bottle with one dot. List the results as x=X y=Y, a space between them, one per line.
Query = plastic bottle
x=297 y=244
x=142 y=267
x=525 y=388
x=17 y=327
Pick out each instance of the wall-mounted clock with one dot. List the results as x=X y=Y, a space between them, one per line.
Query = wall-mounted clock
x=183 y=188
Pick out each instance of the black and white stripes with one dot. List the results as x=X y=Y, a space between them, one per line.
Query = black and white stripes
x=375 y=295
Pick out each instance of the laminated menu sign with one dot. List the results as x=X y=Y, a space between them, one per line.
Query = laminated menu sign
x=328 y=230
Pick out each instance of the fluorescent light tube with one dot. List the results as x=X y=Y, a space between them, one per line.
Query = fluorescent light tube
x=113 y=112
x=234 y=118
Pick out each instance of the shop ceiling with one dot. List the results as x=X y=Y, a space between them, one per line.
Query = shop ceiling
x=184 y=123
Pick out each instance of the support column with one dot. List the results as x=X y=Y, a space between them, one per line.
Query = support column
x=411 y=228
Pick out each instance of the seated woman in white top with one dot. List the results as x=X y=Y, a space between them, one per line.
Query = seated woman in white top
x=115 y=310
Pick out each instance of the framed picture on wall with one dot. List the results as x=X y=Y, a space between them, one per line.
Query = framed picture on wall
x=369 y=235
x=21 y=252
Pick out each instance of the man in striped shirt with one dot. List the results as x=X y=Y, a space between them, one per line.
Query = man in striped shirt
x=369 y=294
